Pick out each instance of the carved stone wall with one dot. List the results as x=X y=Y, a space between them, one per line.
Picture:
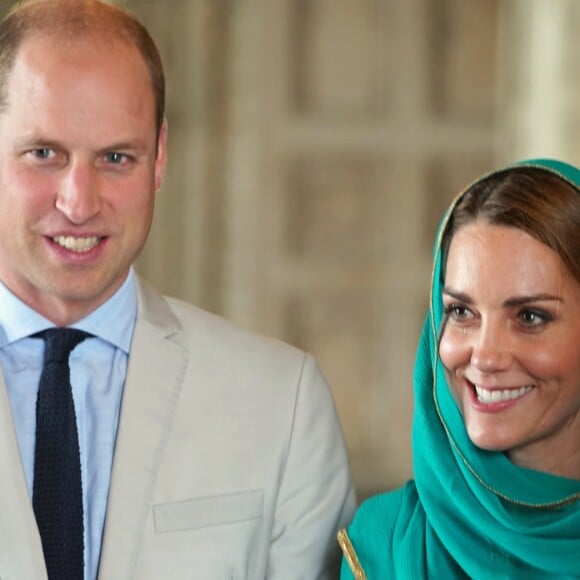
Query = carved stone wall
x=378 y=111
x=539 y=79
x=313 y=147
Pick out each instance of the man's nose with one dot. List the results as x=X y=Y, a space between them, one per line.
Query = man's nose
x=491 y=349
x=78 y=197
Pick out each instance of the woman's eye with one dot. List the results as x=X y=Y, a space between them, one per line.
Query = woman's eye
x=532 y=318
x=458 y=312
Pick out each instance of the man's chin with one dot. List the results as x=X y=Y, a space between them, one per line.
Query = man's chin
x=82 y=289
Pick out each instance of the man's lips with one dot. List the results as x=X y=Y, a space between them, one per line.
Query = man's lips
x=79 y=244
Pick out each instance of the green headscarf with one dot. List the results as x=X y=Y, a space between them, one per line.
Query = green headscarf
x=469 y=512
x=488 y=513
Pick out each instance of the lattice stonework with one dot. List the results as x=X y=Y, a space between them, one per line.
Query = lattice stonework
x=314 y=145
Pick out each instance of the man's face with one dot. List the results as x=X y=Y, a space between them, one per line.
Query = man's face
x=80 y=163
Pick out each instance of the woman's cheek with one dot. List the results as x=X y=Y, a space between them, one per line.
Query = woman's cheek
x=453 y=350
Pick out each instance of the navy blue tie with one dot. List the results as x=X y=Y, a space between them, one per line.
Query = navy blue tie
x=57 y=491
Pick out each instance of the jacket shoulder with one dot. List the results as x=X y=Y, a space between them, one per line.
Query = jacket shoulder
x=219 y=331
x=193 y=327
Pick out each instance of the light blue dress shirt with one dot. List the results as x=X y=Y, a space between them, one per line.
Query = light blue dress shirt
x=98 y=369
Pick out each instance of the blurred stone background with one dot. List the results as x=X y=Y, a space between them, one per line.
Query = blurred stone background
x=314 y=145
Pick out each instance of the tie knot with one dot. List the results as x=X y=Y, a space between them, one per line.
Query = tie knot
x=59 y=342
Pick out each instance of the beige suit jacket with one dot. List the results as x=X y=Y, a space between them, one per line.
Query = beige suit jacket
x=229 y=461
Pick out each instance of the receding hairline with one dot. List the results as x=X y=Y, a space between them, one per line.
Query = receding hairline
x=77 y=21
x=72 y=18
x=76 y=12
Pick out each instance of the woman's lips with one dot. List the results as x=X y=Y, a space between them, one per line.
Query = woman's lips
x=496 y=398
x=496 y=395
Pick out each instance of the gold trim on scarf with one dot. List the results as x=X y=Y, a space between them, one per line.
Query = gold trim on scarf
x=350 y=555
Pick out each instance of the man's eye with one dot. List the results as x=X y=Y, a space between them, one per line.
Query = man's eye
x=115 y=158
x=43 y=153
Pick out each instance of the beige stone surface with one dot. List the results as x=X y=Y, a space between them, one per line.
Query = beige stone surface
x=314 y=145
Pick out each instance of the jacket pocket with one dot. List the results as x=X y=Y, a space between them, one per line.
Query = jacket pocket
x=203 y=512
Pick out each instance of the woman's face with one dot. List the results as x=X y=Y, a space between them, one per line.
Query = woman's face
x=511 y=346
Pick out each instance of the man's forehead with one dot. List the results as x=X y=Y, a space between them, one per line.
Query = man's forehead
x=98 y=40
x=47 y=52
x=76 y=73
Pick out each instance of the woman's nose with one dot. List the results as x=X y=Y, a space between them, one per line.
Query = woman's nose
x=491 y=349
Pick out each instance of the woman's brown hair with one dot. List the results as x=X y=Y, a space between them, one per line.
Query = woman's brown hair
x=531 y=199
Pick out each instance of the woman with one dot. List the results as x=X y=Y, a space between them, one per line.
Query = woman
x=496 y=430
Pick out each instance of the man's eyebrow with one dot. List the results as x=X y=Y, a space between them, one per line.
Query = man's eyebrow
x=36 y=141
x=120 y=145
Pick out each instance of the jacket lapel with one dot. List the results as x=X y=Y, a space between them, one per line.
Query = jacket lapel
x=20 y=547
x=154 y=376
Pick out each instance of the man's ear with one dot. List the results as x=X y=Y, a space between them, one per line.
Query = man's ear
x=161 y=159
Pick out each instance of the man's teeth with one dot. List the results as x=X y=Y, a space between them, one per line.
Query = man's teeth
x=76 y=244
x=495 y=395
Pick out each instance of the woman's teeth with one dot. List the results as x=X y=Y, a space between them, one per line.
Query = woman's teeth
x=76 y=244
x=495 y=395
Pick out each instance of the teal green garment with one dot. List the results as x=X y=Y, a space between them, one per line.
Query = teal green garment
x=468 y=513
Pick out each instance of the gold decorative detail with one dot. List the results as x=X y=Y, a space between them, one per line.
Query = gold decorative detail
x=350 y=555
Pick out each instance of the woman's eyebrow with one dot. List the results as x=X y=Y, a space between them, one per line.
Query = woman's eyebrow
x=521 y=300
x=461 y=296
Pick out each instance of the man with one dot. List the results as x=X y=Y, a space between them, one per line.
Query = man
x=205 y=452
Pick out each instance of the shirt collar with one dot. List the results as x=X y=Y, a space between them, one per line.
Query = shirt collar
x=113 y=321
